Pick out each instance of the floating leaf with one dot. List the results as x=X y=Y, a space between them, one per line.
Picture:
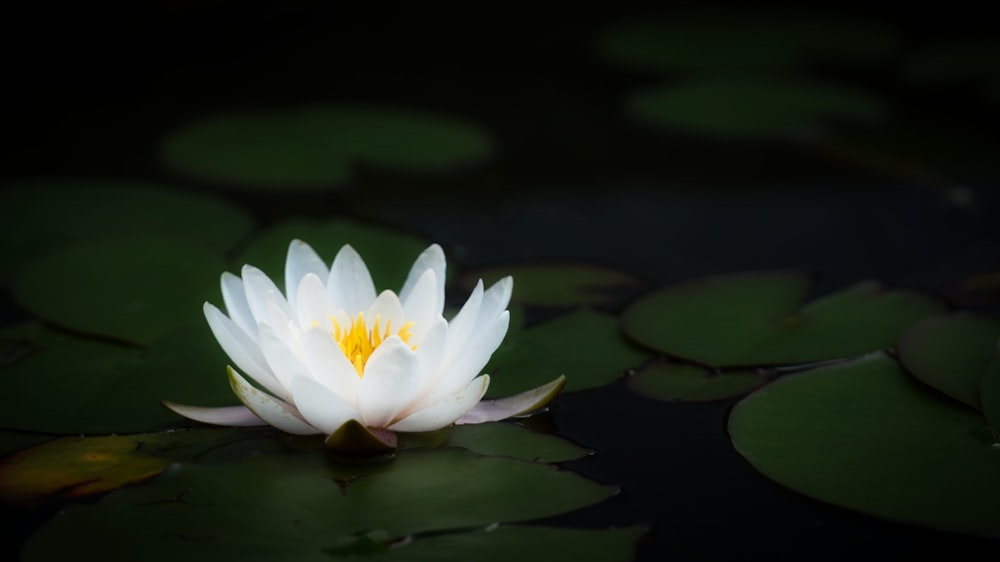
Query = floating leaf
x=133 y=289
x=584 y=345
x=692 y=383
x=751 y=106
x=951 y=353
x=289 y=508
x=759 y=319
x=511 y=440
x=11 y=441
x=558 y=284
x=865 y=436
x=41 y=215
x=388 y=253
x=316 y=147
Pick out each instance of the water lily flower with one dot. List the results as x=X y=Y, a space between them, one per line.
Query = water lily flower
x=331 y=357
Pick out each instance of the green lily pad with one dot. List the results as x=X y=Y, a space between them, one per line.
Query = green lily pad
x=12 y=441
x=388 y=253
x=82 y=466
x=745 y=40
x=40 y=215
x=951 y=353
x=134 y=289
x=584 y=345
x=289 y=508
x=865 y=436
x=751 y=106
x=316 y=147
x=969 y=58
x=558 y=284
x=671 y=382
x=512 y=440
x=760 y=319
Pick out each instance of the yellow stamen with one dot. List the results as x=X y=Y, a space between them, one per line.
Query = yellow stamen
x=358 y=342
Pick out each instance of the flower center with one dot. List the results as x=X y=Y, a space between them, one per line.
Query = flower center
x=358 y=342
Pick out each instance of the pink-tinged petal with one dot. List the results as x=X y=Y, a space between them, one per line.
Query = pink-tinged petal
x=423 y=304
x=232 y=416
x=322 y=408
x=281 y=359
x=517 y=405
x=329 y=366
x=260 y=290
x=272 y=410
x=391 y=381
x=470 y=362
x=313 y=305
x=388 y=310
x=234 y=295
x=445 y=411
x=431 y=259
x=301 y=261
x=243 y=351
x=350 y=285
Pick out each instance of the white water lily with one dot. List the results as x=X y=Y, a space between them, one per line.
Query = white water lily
x=330 y=350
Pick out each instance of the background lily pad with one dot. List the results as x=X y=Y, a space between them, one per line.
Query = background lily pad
x=316 y=147
x=558 y=284
x=692 y=383
x=876 y=442
x=388 y=253
x=584 y=345
x=759 y=319
x=43 y=214
x=751 y=106
x=288 y=507
x=134 y=289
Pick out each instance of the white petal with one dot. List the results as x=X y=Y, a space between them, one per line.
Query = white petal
x=517 y=405
x=350 y=285
x=329 y=366
x=321 y=407
x=272 y=410
x=235 y=298
x=447 y=410
x=260 y=290
x=313 y=303
x=470 y=361
x=423 y=304
x=495 y=300
x=301 y=261
x=430 y=259
x=391 y=381
x=232 y=416
x=281 y=359
x=460 y=327
x=244 y=352
x=389 y=310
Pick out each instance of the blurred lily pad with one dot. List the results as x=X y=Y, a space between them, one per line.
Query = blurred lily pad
x=585 y=345
x=388 y=253
x=11 y=441
x=751 y=106
x=558 y=284
x=134 y=289
x=736 y=40
x=316 y=147
x=876 y=441
x=954 y=354
x=289 y=508
x=760 y=319
x=43 y=214
x=511 y=440
x=671 y=381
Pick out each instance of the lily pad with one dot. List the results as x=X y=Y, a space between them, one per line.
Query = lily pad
x=760 y=319
x=867 y=437
x=289 y=508
x=584 y=345
x=388 y=253
x=134 y=289
x=745 y=40
x=671 y=382
x=558 y=284
x=316 y=147
x=951 y=353
x=44 y=214
x=512 y=440
x=751 y=106
x=12 y=441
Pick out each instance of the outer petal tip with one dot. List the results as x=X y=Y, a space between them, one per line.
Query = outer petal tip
x=517 y=405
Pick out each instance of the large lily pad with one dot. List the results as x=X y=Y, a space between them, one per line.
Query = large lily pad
x=40 y=215
x=867 y=437
x=290 y=508
x=760 y=319
x=559 y=284
x=133 y=289
x=316 y=147
x=751 y=106
x=388 y=253
x=515 y=441
x=670 y=381
x=584 y=345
